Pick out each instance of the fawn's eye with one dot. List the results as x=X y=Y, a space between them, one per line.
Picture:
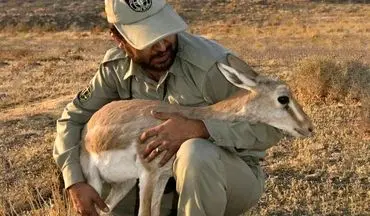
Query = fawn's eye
x=284 y=100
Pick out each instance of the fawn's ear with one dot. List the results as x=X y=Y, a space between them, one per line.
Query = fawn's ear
x=241 y=66
x=238 y=73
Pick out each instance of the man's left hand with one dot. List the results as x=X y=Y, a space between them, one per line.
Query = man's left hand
x=169 y=135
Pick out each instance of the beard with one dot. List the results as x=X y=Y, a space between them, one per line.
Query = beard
x=161 y=61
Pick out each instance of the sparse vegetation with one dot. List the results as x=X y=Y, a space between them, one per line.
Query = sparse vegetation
x=320 y=47
x=328 y=80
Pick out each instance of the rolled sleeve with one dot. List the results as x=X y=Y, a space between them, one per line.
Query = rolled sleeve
x=242 y=135
x=72 y=174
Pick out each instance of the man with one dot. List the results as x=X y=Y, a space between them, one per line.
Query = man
x=216 y=167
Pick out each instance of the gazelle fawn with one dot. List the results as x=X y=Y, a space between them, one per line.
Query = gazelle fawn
x=110 y=148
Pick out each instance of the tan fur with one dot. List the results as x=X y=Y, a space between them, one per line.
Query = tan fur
x=104 y=130
x=105 y=127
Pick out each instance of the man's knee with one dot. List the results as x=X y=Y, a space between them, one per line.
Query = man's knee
x=196 y=153
x=199 y=172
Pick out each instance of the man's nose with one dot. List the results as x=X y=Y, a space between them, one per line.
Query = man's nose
x=160 y=46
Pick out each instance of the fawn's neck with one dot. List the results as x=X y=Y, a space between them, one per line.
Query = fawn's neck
x=231 y=109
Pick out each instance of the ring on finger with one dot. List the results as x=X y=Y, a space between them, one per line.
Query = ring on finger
x=157 y=150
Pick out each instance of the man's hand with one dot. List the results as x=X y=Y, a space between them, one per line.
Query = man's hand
x=84 y=198
x=169 y=135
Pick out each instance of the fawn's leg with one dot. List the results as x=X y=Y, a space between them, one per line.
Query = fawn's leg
x=158 y=194
x=91 y=172
x=147 y=182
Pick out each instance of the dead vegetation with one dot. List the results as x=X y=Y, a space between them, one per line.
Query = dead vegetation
x=321 y=49
x=326 y=81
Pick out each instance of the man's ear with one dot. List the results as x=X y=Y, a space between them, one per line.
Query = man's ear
x=115 y=38
x=122 y=46
x=120 y=41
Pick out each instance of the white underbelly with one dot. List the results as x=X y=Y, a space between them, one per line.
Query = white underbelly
x=117 y=165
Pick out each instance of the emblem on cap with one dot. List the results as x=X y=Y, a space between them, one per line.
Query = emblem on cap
x=139 y=5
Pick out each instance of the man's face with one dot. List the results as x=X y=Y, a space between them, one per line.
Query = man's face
x=159 y=57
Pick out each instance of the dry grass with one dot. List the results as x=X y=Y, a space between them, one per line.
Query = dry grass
x=321 y=49
x=327 y=80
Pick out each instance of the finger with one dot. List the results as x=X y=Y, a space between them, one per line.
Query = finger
x=85 y=207
x=151 y=147
x=88 y=210
x=149 y=133
x=153 y=155
x=163 y=115
x=100 y=203
x=165 y=145
x=74 y=204
x=166 y=158
x=89 y=213
x=77 y=205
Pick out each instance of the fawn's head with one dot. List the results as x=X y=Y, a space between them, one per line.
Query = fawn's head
x=270 y=101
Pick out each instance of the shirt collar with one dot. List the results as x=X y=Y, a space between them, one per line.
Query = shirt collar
x=133 y=70
x=175 y=68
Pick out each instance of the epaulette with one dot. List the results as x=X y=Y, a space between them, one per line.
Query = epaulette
x=114 y=54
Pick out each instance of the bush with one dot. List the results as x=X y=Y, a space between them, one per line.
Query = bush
x=325 y=80
x=322 y=79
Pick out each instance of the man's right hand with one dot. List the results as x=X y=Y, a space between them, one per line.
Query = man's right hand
x=84 y=198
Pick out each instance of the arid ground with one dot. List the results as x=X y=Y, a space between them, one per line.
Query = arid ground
x=50 y=49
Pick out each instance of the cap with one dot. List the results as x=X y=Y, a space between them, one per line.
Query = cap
x=143 y=22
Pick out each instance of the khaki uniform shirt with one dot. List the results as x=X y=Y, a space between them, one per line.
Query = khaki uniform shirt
x=192 y=80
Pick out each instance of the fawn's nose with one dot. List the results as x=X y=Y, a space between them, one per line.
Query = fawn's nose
x=307 y=129
x=310 y=129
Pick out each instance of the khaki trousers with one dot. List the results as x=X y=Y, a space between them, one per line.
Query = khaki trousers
x=210 y=181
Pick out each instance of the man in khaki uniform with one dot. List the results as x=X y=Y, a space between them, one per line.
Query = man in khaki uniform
x=217 y=167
